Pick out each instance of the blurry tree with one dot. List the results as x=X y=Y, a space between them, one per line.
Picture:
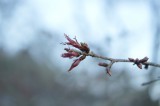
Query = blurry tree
x=24 y=82
x=154 y=73
x=155 y=4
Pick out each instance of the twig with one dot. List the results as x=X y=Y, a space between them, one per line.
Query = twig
x=82 y=50
x=150 y=82
x=92 y=54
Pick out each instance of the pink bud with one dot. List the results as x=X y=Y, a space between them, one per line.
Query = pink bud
x=108 y=71
x=103 y=64
x=67 y=55
x=139 y=65
x=74 y=64
x=69 y=39
x=81 y=46
x=145 y=59
x=70 y=54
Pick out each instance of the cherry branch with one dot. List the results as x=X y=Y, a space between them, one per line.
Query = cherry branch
x=92 y=54
x=84 y=51
x=112 y=60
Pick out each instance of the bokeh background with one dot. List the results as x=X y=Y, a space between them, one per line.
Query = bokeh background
x=33 y=73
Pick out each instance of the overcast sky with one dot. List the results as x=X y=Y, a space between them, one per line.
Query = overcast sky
x=91 y=21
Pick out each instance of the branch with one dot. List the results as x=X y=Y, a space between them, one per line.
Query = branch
x=84 y=51
x=150 y=82
x=92 y=54
x=113 y=60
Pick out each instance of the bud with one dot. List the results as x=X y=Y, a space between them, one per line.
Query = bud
x=146 y=66
x=139 y=65
x=108 y=71
x=74 y=64
x=103 y=64
x=81 y=46
x=70 y=54
x=145 y=59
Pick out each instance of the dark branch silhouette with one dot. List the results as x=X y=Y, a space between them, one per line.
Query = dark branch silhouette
x=150 y=82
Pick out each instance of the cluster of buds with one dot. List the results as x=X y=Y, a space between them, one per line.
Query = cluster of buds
x=139 y=62
x=71 y=53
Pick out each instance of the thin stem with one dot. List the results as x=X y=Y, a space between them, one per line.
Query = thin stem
x=92 y=54
x=150 y=82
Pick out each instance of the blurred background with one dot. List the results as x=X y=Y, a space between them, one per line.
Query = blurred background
x=33 y=73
